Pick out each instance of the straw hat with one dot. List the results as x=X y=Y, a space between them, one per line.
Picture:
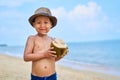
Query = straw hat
x=43 y=12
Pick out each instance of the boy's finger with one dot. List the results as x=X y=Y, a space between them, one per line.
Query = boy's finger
x=54 y=52
x=54 y=55
x=51 y=47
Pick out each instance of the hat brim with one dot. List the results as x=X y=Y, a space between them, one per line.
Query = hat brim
x=53 y=19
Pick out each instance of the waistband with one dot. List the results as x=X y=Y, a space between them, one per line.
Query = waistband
x=51 y=77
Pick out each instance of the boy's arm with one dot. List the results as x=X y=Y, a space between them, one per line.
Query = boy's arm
x=28 y=53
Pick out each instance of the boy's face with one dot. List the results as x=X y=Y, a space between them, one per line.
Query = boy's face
x=42 y=25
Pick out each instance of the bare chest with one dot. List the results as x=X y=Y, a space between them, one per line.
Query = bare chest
x=41 y=44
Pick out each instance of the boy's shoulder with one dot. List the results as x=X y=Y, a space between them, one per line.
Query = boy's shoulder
x=31 y=37
x=52 y=38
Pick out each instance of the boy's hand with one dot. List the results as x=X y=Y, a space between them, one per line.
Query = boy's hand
x=50 y=52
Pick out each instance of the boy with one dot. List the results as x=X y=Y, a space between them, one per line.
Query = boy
x=38 y=48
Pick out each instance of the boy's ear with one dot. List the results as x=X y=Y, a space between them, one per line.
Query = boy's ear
x=50 y=24
x=33 y=24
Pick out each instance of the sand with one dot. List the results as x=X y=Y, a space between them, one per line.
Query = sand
x=13 y=68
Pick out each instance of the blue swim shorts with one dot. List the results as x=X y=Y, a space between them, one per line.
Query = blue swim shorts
x=52 y=77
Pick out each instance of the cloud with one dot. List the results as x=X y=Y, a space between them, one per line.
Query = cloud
x=86 y=22
x=59 y=12
x=14 y=3
x=90 y=10
x=83 y=17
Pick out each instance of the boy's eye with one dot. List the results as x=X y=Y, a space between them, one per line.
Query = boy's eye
x=38 y=22
x=45 y=22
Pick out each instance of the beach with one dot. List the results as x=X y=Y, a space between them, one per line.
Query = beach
x=14 y=68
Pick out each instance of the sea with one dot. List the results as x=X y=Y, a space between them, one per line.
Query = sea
x=98 y=56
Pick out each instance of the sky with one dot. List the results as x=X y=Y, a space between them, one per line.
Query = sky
x=78 y=20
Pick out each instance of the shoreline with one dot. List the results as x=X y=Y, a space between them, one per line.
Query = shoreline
x=14 y=68
x=90 y=67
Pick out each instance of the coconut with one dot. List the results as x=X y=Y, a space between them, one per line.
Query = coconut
x=60 y=47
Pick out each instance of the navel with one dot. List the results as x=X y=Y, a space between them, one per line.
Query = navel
x=45 y=67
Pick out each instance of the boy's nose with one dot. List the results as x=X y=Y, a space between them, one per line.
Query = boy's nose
x=42 y=25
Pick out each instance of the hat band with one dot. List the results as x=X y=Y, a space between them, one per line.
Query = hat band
x=42 y=13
